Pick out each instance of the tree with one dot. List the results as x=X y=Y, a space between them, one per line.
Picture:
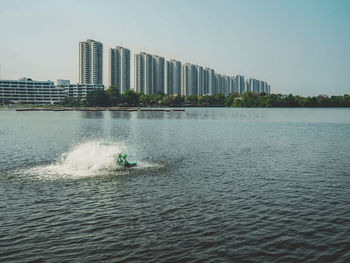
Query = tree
x=251 y=100
x=230 y=99
x=98 y=97
x=114 y=95
x=237 y=102
x=145 y=100
x=70 y=101
x=204 y=100
x=178 y=100
x=131 y=98
x=191 y=100
x=219 y=99
x=167 y=101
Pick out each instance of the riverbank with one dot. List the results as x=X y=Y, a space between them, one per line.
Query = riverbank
x=97 y=109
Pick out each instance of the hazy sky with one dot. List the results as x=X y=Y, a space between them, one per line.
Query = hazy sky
x=300 y=47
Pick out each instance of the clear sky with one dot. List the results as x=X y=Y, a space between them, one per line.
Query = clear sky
x=300 y=47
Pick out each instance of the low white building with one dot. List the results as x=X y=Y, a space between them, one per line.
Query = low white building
x=28 y=91
x=81 y=90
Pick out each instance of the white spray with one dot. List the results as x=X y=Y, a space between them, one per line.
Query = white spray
x=87 y=159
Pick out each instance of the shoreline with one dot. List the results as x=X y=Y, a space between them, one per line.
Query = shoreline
x=96 y=109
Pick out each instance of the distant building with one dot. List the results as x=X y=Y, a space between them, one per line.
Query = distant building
x=189 y=80
x=144 y=73
x=256 y=85
x=119 y=68
x=226 y=85
x=158 y=74
x=81 y=90
x=28 y=91
x=211 y=82
x=63 y=82
x=219 y=84
x=240 y=84
x=149 y=73
x=172 y=77
x=232 y=85
x=90 y=62
x=251 y=85
x=246 y=86
x=200 y=81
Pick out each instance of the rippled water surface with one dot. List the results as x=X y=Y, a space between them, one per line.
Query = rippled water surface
x=212 y=185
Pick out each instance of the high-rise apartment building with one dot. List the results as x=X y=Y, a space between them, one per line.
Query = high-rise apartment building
x=200 y=81
x=189 y=80
x=232 y=85
x=119 y=68
x=211 y=82
x=90 y=62
x=251 y=85
x=158 y=74
x=219 y=84
x=226 y=85
x=143 y=73
x=246 y=86
x=149 y=73
x=172 y=77
x=240 y=84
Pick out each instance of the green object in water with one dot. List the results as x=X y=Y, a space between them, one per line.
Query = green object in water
x=123 y=162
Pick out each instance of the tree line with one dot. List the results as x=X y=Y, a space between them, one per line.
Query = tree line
x=112 y=97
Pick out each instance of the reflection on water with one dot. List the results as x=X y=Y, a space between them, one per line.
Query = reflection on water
x=92 y=114
x=121 y=114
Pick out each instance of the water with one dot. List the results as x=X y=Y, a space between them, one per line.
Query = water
x=212 y=185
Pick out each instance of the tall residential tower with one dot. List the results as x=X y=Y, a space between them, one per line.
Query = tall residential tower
x=172 y=77
x=149 y=73
x=90 y=62
x=119 y=67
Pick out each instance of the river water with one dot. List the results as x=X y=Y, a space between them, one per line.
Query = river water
x=211 y=185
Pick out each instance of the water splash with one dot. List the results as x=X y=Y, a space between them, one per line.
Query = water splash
x=83 y=160
x=89 y=159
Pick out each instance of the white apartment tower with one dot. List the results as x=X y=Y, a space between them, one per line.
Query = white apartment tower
x=200 y=81
x=189 y=80
x=143 y=73
x=211 y=82
x=240 y=84
x=158 y=74
x=149 y=73
x=119 y=67
x=232 y=85
x=172 y=77
x=227 y=85
x=90 y=62
x=219 y=83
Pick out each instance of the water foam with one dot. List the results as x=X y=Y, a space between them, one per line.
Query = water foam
x=84 y=160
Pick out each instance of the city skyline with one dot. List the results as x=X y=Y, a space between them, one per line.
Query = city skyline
x=298 y=47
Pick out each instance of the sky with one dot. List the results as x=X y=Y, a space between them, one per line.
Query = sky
x=297 y=46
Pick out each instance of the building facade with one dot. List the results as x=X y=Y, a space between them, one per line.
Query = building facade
x=90 y=62
x=240 y=84
x=200 y=81
x=172 y=77
x=144 y=73
x=158 y=74
x=28 y=91
x=149 y=73
x=77 y=90
x=119 y=68
x=189 y=80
